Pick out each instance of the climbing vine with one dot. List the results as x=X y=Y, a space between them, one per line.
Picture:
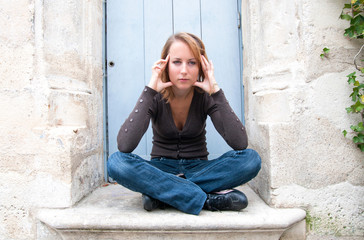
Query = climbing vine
x=353 y=12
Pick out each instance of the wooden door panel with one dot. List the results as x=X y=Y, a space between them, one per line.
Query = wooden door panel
x=125 y=48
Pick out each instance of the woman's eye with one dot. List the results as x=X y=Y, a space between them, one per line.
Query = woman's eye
x=176 y=62
x=192 y=63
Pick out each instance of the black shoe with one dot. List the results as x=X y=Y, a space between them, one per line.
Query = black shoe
x=234 y=200
x=150 y=204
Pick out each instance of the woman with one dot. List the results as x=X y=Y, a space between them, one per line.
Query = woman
x=181 y=93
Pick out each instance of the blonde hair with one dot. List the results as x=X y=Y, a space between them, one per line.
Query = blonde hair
x=197 y=48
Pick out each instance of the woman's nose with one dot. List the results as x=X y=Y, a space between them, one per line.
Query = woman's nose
x=184 y=68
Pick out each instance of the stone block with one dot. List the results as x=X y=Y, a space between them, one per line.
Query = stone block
x=335 y=210
x=63 y=27
x=50 y=191
x=272 y=107
x=87 y=176
x=16 y=108
x=68 y=109
x=279 y=35
x=46 y=233
x=16 y=22
x=259 y=141
x=323 y=156
x=124 y=218
x=329 y=96
x=16 y=66
x=297 y=231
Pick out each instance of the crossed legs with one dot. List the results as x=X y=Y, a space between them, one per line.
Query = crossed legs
x=157 y=178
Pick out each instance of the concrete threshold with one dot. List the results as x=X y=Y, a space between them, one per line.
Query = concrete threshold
x=114 y=212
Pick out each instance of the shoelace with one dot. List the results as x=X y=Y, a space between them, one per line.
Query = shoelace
x=217 y=202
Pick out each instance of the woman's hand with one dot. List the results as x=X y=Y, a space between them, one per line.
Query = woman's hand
x=209 y=84
x=156 y=81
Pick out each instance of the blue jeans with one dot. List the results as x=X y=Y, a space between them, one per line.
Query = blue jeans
x=157 y=177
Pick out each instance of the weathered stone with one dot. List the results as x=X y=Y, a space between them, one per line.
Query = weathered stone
x=51 y=108
x=295 y=111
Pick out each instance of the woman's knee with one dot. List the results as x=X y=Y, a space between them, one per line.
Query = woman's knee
x=250 y=161
x=117 y=163
x=255 y=161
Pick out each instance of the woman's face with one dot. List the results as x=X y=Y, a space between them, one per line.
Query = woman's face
x=183 y=68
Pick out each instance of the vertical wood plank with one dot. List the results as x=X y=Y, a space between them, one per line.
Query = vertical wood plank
x=186 y=16
x=125 y=47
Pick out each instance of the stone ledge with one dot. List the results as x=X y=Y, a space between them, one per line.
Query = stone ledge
x=114 y=210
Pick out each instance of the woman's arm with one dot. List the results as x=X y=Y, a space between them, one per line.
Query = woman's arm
x=227 y=123
x=218 y=108
x=134 y=127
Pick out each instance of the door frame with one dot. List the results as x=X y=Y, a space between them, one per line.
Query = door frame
x=104 y=89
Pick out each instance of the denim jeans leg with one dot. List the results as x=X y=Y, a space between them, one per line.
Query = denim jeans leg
x=230 y=170
x=139 y=175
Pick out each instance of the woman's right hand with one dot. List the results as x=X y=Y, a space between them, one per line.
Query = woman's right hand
x=156 y=81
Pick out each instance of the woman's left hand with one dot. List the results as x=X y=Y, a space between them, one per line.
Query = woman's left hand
x=209 y=84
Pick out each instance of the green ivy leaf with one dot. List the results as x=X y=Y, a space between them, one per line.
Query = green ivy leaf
x=345 y=17
x=360 y=28
x=353 y=13
x=349 y=110
x=351 y=77
x=357 y=20
x=360 y=128
x=358 y=24
x=361 y=147
x=345 y=132
x=358 y=139
x=358 y=106
x=326 y=51
x=353 y=96
x=352 y=74
x=350 y=32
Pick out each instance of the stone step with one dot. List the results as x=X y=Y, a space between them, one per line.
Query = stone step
x=113 y=212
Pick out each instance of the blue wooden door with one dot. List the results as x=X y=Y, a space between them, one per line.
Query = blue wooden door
x=136 y=33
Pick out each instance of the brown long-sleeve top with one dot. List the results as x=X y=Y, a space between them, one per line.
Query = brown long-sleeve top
x=190 y=142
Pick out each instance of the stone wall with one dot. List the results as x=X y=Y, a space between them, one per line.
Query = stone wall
x=51 y=123
x=295 y=111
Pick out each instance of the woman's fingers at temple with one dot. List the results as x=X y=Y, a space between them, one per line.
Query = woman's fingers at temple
x=162 y=63
x=210 y=84
x=156 y=81
x=205 y=63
